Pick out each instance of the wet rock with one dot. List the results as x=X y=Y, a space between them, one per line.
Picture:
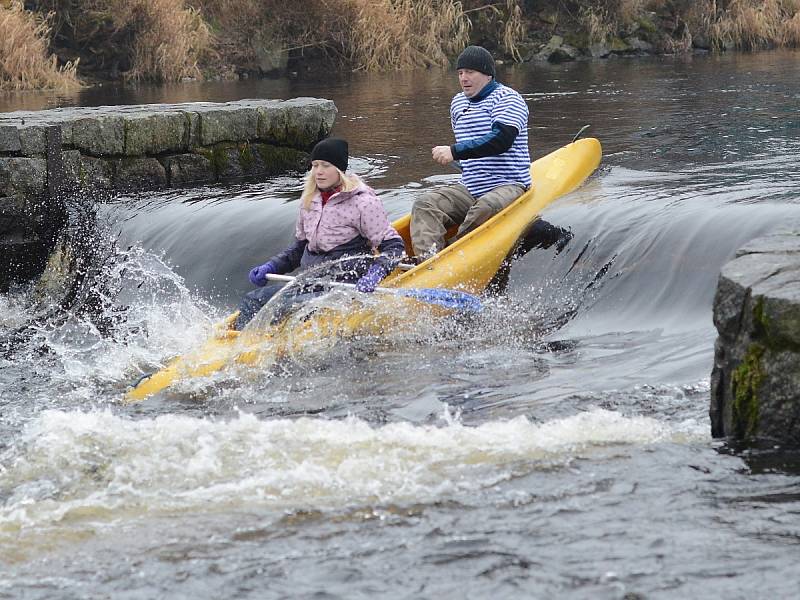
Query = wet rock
x=96 y=173
x=227 y=126
x=33 y=140
x=755 y=382
x=141 y=146
x=71 y=159
x=22 y=176
x=9 y=139
x=556 y=51
x=295 y=120
x=640 y=46
x=12 y=211
x=599 y=50
x=547 y=50
x=100 y=136
x=132 y=174
x=701 y=41
x=564 y=53
x=187 y=169
x=619 y=46
x=155 y=134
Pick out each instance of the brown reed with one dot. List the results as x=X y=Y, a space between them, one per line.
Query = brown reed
x=167 y=38
x=25 y=62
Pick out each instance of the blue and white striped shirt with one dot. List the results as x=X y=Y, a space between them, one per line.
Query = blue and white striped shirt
x=474 y=119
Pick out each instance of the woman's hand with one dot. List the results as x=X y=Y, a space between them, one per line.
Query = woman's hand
x=258 y=275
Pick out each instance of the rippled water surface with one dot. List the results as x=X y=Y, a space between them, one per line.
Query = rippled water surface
x=555 y=446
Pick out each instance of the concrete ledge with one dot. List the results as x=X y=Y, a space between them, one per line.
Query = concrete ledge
x=131 y=148
x=155 y=129
x=755 y=382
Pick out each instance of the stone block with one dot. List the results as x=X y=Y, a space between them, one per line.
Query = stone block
x=306 y=125
x=99 y=136
x=9 y=139
x=756 y=371
x=131 y=174
x=299 y=123
x=228 y=125
x=72 y=162
x=33 y=140
x=96 y=173
x=192 y=130
x=155 y=134
x=274 y=160
x=273 y=124
x=599 y=51
x=67 y=129
x=13 y=227
x=23 y=176
x=186 y=169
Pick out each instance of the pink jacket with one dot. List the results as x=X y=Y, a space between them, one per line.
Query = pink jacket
x=345 y=216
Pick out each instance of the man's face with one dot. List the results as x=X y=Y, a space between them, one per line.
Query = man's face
x=472 y=82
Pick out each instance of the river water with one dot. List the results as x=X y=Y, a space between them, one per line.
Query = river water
x=558 y=446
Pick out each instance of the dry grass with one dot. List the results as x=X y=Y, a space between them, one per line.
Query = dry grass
x=791 y=32
x=365 y=34
x=605 y=18
x=402 y=34
x=747 y=24
x=597 y=24
x=25 y=62
x=167 y=37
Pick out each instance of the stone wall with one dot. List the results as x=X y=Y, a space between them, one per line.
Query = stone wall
x=755 y=382
x=130 y=148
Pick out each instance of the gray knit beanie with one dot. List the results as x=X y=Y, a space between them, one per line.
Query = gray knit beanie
x=477 y=59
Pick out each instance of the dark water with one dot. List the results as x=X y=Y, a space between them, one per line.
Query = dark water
x=557 y=446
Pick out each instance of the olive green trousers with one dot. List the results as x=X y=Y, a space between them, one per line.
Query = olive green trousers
x=438 y=209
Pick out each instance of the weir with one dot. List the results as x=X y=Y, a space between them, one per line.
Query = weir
x=48 y=155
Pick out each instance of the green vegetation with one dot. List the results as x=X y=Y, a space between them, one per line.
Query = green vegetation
x=51 y=42
x=746 y=381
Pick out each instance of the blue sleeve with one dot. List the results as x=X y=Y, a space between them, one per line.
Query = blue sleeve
x=497 y=141
x=289 y=259
x=391 y=252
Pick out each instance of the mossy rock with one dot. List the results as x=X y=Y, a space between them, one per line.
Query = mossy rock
x=746 y=382
x=647 y=24
x=617 y=44
x=278 y=159
x=579 y=40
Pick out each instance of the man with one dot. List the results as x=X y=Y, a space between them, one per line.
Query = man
x=490 y=123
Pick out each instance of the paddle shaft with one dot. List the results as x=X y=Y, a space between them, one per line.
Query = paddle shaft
x=452 y=299
x=290 y=278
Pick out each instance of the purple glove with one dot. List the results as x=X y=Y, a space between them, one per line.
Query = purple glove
x=258 y=275
x=370 y=281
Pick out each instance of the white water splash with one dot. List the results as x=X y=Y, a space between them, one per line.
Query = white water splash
x=71 y=467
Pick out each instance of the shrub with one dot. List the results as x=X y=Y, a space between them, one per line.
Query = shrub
x=25 y=62
x=157 y=40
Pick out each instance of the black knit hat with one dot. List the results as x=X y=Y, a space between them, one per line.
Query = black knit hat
x=477 y=59
x=332 y=150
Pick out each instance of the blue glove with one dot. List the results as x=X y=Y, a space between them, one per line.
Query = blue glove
x=258 y=275
x=370 y=281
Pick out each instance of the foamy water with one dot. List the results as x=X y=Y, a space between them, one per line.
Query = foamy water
x=96 y=466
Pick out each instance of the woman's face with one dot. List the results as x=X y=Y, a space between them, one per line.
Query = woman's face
x=325 y=174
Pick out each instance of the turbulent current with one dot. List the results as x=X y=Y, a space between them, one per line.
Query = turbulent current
x=555 y=446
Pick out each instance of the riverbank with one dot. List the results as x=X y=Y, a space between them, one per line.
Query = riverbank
x=45 y=44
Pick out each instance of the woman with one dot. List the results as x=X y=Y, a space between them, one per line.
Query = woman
x=340 y=217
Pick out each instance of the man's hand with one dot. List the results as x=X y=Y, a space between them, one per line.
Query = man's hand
x=442 y=155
